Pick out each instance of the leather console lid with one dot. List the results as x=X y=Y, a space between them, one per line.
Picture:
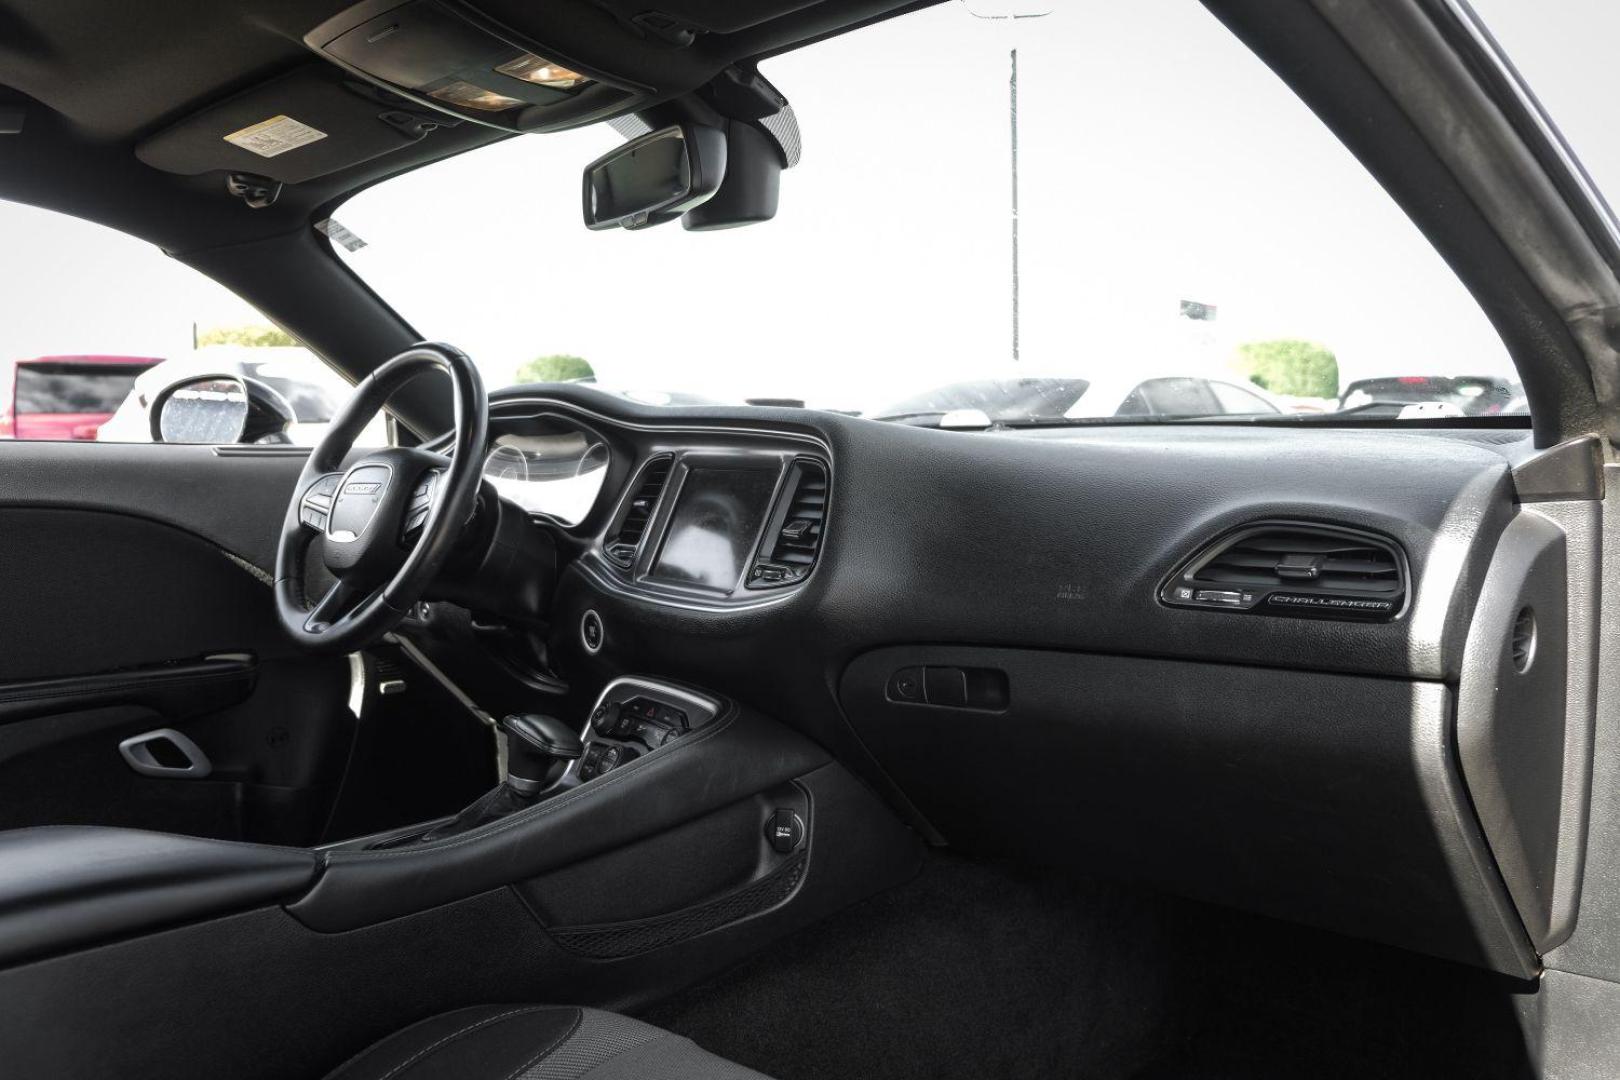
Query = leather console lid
x=64 y=887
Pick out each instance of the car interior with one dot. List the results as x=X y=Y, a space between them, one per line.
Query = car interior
x=563 y=734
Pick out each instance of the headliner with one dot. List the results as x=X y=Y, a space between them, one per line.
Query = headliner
x=97 y=77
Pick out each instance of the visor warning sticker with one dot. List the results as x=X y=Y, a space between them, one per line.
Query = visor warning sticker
x=276 y=135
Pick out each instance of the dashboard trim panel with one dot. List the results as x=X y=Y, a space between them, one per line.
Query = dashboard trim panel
x=719 y=441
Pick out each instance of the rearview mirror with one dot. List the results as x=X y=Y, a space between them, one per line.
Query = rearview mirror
x=654 y=178
x=220 y=409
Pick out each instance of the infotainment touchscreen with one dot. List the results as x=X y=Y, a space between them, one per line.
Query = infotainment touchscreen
x=714 y=526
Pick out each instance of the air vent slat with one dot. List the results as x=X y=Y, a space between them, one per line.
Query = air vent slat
x=1324 y=571
x=626 y=540
x=788 y=554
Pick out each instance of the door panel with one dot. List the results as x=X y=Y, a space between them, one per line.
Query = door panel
x=123 y=570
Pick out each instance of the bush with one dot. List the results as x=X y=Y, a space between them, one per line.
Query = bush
x=558 y=368
x=1290 y=366
x=256 y=335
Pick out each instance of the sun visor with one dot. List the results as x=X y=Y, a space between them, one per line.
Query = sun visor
x=305 y=124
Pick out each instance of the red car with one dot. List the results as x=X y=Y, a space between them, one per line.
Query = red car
x=65 y=397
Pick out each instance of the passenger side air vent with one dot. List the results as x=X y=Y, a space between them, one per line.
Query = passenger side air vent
x=1294 y=568
x=625 y=541
x=794 y=538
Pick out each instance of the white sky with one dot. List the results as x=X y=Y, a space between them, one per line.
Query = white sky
x=1160 y=161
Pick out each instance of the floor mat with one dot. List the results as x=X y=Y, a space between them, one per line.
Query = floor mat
x=987 y=971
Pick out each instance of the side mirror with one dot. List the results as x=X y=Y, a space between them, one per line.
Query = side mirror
x=220 y=409
x=654 y=178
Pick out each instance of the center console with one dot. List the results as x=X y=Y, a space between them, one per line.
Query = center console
x=634 y=716
x=689 y=833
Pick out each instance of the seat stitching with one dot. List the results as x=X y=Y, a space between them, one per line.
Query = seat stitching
x=454 y=1035
x=573 y=1029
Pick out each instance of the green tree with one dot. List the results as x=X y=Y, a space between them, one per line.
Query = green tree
x=556 y=368
x=253 y=334
x=1290 y=366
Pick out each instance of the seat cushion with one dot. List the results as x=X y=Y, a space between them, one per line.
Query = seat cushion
x=537 y=1042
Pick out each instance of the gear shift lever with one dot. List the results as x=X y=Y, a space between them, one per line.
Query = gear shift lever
x=538 y=749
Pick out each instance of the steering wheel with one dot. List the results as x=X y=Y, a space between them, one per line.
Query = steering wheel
x=387 y=523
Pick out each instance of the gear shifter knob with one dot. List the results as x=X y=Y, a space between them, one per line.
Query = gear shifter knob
x=538 y=748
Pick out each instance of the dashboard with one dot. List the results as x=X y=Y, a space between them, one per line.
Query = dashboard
x=1080 y=628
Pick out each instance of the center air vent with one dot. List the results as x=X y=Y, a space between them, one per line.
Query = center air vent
x=1291 y=568
x=625 y=540
x=794 y=538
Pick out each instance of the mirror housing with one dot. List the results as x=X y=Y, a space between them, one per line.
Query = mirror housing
x=220 y=410
x=748 y=192
x=654 y=178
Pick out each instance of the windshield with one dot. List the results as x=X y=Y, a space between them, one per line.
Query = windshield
x=1109 y=213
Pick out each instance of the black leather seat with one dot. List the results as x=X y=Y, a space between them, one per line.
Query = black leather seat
x=537 y=1042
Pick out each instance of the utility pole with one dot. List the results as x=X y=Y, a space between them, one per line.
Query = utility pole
x=1012 y=99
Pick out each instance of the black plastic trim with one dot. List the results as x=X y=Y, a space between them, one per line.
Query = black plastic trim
x=1183 y=586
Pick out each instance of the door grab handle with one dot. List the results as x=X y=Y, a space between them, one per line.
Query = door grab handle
x=161 y=752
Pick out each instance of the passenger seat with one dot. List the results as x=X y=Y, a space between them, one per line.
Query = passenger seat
x=537 y=1042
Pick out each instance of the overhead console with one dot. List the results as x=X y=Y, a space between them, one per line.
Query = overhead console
x=449 y=58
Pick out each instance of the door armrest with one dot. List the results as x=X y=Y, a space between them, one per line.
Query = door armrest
x=64 y=887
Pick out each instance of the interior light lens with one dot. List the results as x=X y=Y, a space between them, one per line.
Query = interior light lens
x=469 y=96
x=533 y=69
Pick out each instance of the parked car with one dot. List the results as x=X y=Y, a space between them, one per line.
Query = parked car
x=1035 y=398
x=65 y=397
x=1472 y=395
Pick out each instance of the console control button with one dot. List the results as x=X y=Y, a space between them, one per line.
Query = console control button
x=590 y=763
x=591 y=631
x=600 y=758
x=784 y=830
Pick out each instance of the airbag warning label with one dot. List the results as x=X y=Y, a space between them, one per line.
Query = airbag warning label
x=276 y=135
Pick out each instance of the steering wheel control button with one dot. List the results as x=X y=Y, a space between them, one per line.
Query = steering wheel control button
x=316 y=507
x=416 y=511
x=906 y=685
x=784 y=831
x=591 y=632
